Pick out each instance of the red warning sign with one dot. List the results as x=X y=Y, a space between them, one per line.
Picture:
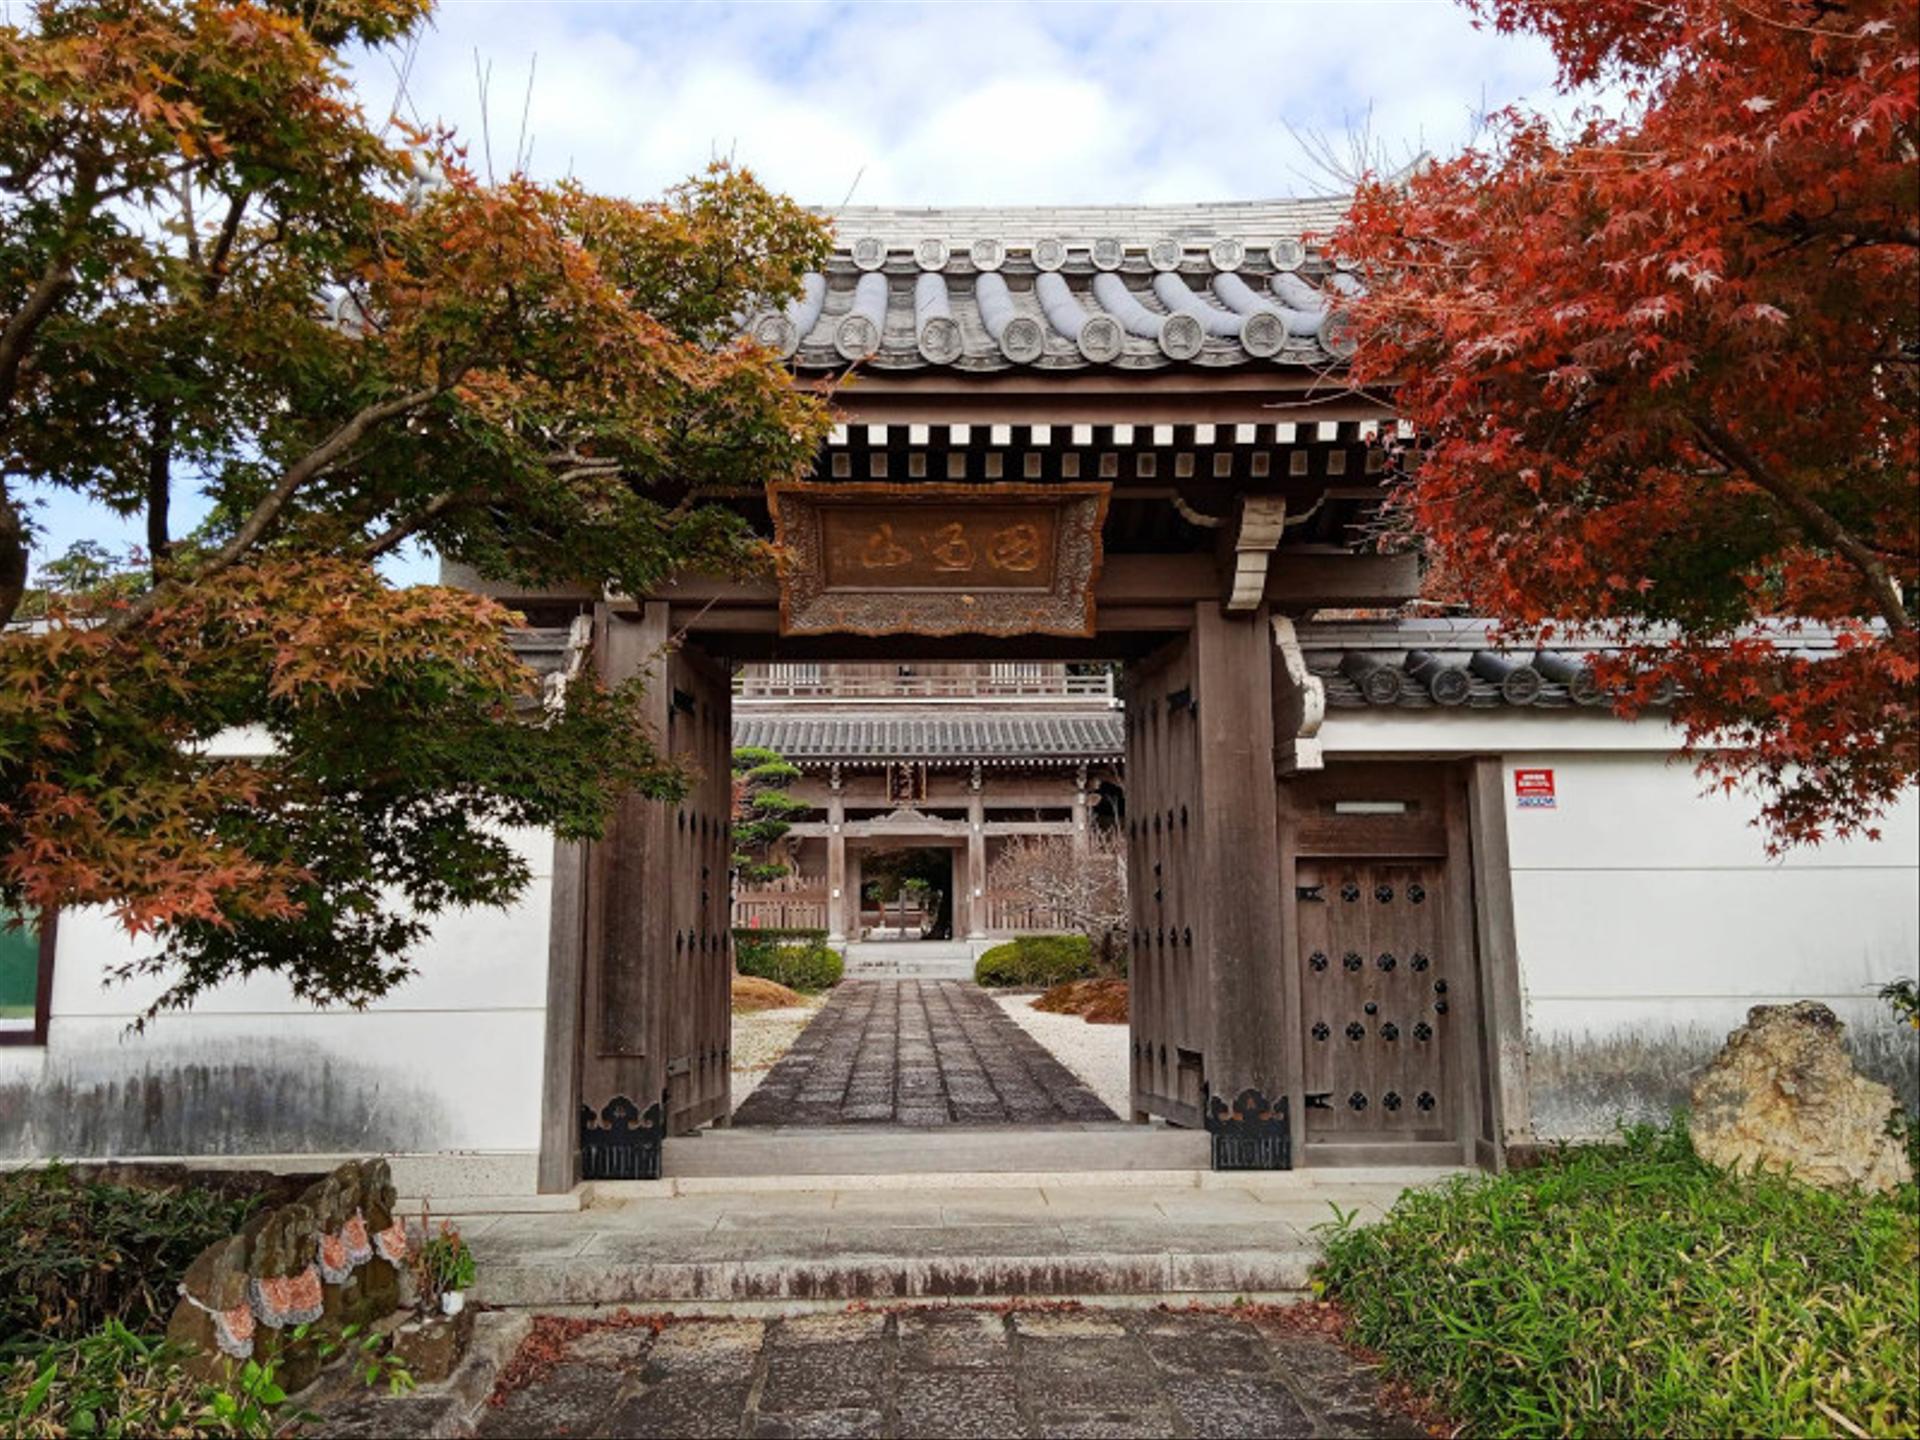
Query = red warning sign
x=1533 y=789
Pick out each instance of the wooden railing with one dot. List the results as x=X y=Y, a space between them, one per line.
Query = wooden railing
x=780 y=910
x=1006 y=916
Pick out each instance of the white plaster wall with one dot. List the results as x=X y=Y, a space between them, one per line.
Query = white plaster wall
x=451 y=1061
x=1649 y=918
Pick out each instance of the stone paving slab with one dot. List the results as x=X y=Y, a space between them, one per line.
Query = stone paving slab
x=918 y=1053
x=957 y=1372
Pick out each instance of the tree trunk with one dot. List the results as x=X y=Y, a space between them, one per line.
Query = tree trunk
x=13 y=557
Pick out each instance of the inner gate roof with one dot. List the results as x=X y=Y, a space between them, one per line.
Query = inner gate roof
x=1132 y=287
x=877 y=737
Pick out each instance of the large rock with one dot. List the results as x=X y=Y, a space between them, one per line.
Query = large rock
x=1783 y=1093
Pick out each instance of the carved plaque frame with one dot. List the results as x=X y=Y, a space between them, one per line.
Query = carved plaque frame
x=938 y=559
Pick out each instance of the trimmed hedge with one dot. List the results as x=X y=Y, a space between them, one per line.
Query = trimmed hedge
x=1632 y=1289
x=756 y=947
x=1043 y=960
x=809 y=968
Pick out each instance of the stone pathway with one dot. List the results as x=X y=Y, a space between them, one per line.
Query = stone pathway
x=918 y=1052
x=956 y=1372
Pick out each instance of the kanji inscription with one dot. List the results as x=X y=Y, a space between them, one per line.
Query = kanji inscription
x=888 y=548
x=938 y=559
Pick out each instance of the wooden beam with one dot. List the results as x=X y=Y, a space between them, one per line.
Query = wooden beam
x=1023 y=398
x=1296 y=579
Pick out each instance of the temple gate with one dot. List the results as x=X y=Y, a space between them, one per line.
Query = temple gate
x=1091 y=440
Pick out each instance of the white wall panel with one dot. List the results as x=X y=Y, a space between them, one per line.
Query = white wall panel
x=477 y=959
x=1649 y=918
x=452 y=1060
x=1677 y=932
x=205 y=1084
x=1640 y=811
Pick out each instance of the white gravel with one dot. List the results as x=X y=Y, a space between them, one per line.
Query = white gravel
x=761 y=1037
x=1096 y=1053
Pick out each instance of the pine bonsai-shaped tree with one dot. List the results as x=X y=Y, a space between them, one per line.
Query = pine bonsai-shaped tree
x=762 y=811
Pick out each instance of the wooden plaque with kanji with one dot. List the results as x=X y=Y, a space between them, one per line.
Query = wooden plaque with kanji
x=938 y=559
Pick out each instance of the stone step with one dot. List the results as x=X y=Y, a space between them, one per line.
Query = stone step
x=960 y=1265
x=902 y=972
x=1234 y=1236
x=882 y=1150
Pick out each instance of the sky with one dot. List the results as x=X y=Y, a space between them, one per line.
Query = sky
x=963 y=104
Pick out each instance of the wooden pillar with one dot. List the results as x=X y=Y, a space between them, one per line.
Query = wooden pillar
x=1080 y=809
x=566 y=979
x=1509 y=1109
x=1238 y=859
x=850 y=902
x=837 y=857
x=976 y=886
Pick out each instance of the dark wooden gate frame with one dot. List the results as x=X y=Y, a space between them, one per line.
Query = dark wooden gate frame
x=1243 y=916
x=1142 y=603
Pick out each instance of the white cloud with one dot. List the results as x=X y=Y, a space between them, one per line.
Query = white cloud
x=963 y=103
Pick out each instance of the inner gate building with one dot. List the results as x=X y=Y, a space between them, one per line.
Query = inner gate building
x=956 y=760
x=1396 y=896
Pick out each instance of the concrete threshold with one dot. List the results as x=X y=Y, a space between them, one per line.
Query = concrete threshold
x=943 y=1149
x=614 y=1193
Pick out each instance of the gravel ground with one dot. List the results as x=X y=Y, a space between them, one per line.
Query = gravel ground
x=1096 y=1053
x=761 y=1037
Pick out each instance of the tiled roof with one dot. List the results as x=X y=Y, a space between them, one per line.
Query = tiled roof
x=1426 y=664
x=934 y=737
x=1065 y=288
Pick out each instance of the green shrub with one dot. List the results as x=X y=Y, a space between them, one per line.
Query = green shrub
x=1043 y=960
x=755 y=947
x=1631 y=1289
x=80 y=1253
x=808 y=967
x=116 y=1383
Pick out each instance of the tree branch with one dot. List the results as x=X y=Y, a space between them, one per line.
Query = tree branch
x=25 y=322
x=402 y=530
x=216 y=271
x=160 y=489
x=1813 y=518
x=262 y=516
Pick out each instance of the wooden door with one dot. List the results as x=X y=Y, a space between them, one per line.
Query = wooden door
x=1169 y=1001
x=655 y=1034
x=692 y=882
x=1382 y=952
x=1376 y=985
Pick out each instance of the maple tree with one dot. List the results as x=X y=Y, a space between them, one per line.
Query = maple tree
x=218 y=276
x=1663 y=371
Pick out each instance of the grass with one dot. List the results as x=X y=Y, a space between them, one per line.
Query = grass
x=78 y=1253
x=1631 y=1289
